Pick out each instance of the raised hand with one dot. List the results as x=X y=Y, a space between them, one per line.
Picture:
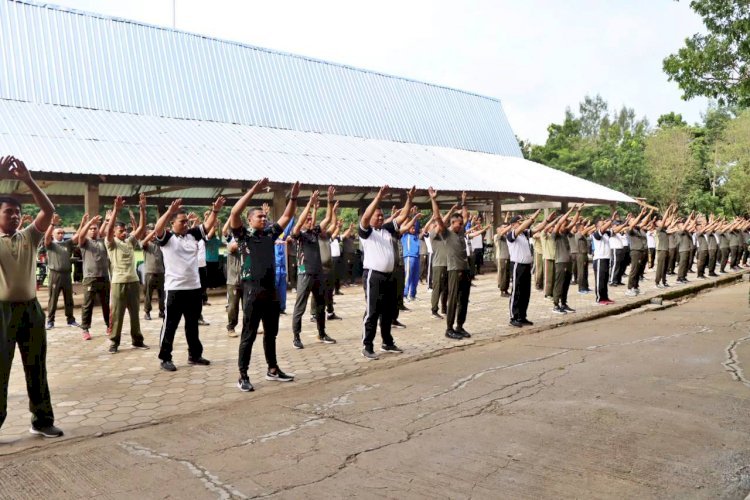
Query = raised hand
x=119 y=203
x=266 y=208
x=19 y=171
x=314 y=197
x=260 y=185
x=331 y=193
x=335 y=206
x=431 y=191
x=219 y=203
x=410 y=193
x=56 y=219
x=175 y=206
x=6 y=163
x=142 y=201
x=463 y=198
x=295 y=189
x=383 y=191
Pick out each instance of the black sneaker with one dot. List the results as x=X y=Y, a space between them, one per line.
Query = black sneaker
x=168 y=366
x=298 y=342
x=279 y=376
x=504 y=294
x=403 y=308
x=435 y=315
x=48 y=431
x=326 y=339
x=567 y=308
x=516 y=323
x=200 y=361
x=558 y=310
x=244 y=384
x=397 y=324
x=74 y=323
x=50 y=325
x=525 y=321
x=333 y=316
x=452 y=334
x=113 y=348
x=391 y=348
x=460 y=330
x=161 y=315
x=140 y=345
x=369 y=353
x=147 y=316
x=313 y=319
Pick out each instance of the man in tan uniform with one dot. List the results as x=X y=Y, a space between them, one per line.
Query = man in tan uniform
x=21 y=316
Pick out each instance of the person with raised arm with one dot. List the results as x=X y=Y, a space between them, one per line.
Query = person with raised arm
x=307 y=234
x=179 y=247
x=376 y=241
x=89 y=238
x=258 y=276
x=21 y=316
x=601 y=237
x=519 y=247
x=125 y=288
x=59 y=253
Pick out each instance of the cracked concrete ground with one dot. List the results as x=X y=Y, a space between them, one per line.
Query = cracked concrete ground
x=649 y=405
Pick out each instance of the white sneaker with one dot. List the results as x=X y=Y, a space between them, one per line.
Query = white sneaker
x=631 y=293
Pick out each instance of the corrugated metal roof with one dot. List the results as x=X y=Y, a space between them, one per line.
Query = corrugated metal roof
x=56 y=56
x=80 y=141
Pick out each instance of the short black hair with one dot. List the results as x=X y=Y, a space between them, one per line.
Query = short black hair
x=9 y=200
x=253 y=209
x=456 y=215
x=119 y=224
x=181 y=212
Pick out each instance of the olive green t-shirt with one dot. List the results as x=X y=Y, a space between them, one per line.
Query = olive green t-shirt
x=122 y=259
x=59 y=254
x=562 y=248
x=18 y=264
x=548 y=246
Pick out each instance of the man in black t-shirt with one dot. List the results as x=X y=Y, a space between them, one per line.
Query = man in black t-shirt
x=258 y=275
x=310 y=277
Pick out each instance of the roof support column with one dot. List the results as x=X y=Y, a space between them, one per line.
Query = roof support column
x=91 y=199
x=279 y=204
x=496 y=212
x=563 y=207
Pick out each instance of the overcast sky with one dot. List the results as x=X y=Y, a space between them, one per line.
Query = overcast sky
x=537 y=56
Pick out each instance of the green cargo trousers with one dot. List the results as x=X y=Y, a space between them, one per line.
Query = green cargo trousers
x=549 y=277
x=439 y=289
x=125 y=296
x=22 y=323
x=60 y=282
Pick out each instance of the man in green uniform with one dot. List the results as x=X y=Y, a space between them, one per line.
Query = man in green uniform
x=21 y=316
x=59 y=252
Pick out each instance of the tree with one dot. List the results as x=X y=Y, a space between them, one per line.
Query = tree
x=671 y=119
x=715 y=65
x=525 y=147
x=734 y=152
x=672 y=168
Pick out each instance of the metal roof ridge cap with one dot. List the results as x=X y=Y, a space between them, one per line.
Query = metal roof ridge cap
x=51 y=6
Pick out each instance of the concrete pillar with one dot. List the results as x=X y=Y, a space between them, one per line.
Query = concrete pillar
x=278 y=205
x=91 y=199
x=563 y=207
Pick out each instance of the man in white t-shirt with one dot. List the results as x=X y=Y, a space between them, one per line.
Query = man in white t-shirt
x=181 y=280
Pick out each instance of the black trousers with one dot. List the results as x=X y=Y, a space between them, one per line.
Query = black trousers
x=672 y=259
x=439 y=288
x=618 y=265
x=94 y=287
x=60 y=282
x=399 y=278
x=478 y=260
x=724 y=256
x=349 y=259
x=309 y=284
x=459 y=287
x=259 y=305
x=327 y=279
x=338 y=272
x=424 y=266
x=153 y=282
x=22 y=324
x=521 y=291
x=380 y=297
x=734 y=259
x=562 y=283
x=187 y=304
x=203 y=275
x=651 y=257
x=601 y=279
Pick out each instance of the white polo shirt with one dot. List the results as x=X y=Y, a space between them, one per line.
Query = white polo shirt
x=335 y=248
x=519 y=247
x=601 y=244
x=181 y=256
x=377 y=247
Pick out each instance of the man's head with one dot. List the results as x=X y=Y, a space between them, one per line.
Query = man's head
x=58 y=234
x=457 y=222
x=515 y=221
x=377 y=218
x=309 y=223
x=180 y=223
x=257 y=218
x=120 y=231
x=10 y=214
x=413 y=229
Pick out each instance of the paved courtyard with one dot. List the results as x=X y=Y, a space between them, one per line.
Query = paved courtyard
x=95 y=392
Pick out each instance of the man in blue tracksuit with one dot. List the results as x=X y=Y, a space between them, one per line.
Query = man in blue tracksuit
x=410 y=245
x=280 y=248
